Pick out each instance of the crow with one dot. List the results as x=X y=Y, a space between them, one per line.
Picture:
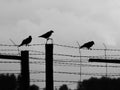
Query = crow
x=26 y=41
x=47 y=34
x=87 y=45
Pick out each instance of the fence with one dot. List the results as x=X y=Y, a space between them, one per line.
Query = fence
x=37 y=57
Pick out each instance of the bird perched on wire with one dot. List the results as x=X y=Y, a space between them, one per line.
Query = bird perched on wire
x=26 y=41
x=87 y=45
x=47 y=35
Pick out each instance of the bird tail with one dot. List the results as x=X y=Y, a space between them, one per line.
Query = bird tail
x=81 y=47
x=39 y=36
x=20 y=45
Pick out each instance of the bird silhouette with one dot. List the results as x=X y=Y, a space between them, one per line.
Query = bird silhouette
x=26 y=41
x=87 y=45
x=47 y=34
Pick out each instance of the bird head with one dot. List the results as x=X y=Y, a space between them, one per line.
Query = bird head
x=30 y=36
x=92 y=42
x=51 y=31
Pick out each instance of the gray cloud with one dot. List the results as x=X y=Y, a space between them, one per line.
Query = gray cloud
x=71 y=19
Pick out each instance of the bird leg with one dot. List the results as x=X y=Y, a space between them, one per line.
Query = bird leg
x=27 y=45
x=49 y=39
x=90 y=48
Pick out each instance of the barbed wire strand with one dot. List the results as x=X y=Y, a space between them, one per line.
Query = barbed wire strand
x=60 y=45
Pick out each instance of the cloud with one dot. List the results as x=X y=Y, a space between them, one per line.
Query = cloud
x=70 y=19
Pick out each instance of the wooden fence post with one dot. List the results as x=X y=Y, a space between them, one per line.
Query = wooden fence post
x=49 y=67
x=25 y=77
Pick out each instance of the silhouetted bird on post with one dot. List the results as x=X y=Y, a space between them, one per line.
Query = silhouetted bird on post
x=87 y=45
x=47 y=35
x=26 y=41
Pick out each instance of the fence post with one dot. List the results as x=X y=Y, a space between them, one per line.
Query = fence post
x=49 y=66
x=25 y=77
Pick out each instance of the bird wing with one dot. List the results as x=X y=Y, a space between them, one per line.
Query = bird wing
x=26 y=41
x=84 y=45
x=23 y=42
x=87 y=45
x=46 y=35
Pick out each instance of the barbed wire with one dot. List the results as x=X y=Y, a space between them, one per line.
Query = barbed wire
x=68 y=55
x=37 y=58
x=66 y=46
x=84 y=65
x=85 y=49
x=9 y=62
x=76 y=73
x=18 y=45
x=71 y=55
x=32 y=52
x=41 y=80
x=11 y=73
x=59 y=72
x=60 y=45
x=61 y=63
x=36 y=54
x=8 y=45
x=10 y=54
x=37 y=51
x=8 y=50
x=56 y=54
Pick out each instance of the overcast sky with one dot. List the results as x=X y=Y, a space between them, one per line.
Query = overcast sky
x=72 y=20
